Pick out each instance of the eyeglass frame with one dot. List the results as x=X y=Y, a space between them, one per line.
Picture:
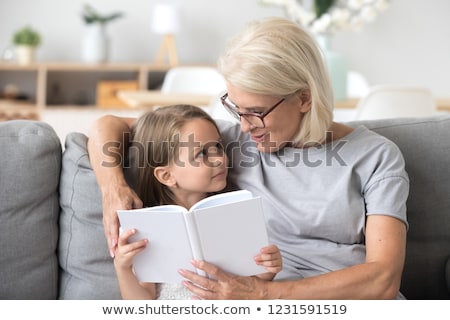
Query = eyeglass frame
x=238 y=115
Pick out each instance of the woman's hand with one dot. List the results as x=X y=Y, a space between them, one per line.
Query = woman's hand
x=270 y=258
x=116 y=197
x=226 y=285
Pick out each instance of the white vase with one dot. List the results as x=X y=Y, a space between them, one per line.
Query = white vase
x=337 y=67
x=25 y=54
x=95 y=46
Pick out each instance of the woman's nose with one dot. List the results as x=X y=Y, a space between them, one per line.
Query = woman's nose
x=246 y=126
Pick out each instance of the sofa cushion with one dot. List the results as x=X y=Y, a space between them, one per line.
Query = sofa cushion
x=425 y=144
x=87 y=270
x=29 y=178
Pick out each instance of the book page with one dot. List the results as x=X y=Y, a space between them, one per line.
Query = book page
x=222 y=198
x=162 y=208
x=232 y=234
x=168 y=248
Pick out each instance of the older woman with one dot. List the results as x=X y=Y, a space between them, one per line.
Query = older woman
x=334 y=196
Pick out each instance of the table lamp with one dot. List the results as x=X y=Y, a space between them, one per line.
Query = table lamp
x=165 y=22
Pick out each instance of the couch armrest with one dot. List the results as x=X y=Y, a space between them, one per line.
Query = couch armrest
x=29 y=210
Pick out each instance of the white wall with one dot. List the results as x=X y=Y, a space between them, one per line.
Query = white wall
x=409 y=43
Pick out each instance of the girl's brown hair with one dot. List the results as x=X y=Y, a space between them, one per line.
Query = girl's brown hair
x=155 y=143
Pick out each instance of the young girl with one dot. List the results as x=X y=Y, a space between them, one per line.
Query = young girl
x=179 y=159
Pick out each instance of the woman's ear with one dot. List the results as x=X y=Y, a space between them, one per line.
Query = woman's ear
x=305 y=100
x=164 y=176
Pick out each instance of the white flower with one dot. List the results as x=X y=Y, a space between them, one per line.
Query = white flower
x=381 y=5
x=339 y=15
x=368 y=14
x=322 y=24
x=355 y=4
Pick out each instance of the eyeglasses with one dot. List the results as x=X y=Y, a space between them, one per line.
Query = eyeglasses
x=256 y=119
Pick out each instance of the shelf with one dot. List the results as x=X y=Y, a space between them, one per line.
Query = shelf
x=43 y=82
x=152 y=98
x=12 y=109
x=79 y=66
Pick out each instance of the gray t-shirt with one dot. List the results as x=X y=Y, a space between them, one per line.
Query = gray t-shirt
x=316 y=199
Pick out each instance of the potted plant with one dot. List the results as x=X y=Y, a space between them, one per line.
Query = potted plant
x=26 y=40
x=90 y=15
x=95 y=46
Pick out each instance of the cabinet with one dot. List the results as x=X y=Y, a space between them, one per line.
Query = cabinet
x=47 y=85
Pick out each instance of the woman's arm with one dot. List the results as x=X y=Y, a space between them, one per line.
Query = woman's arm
x=108 y=138
x=378 y=278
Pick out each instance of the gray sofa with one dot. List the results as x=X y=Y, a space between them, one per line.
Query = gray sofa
x=52 y=244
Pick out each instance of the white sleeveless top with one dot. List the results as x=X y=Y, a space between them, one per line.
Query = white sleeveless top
x=172 y=291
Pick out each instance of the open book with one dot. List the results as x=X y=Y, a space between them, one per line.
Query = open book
x=226 y=229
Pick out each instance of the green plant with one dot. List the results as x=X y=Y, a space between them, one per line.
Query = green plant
x=90 y=15
x=330 y=16
x=322 y=6
x=27 y=36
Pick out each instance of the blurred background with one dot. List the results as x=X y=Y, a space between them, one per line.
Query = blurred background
x=408 y=43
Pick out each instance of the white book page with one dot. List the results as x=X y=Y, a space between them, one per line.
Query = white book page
x=162 y=208
x=192 y=232
x=222 y=198
x=232 y=234
x=168 y=248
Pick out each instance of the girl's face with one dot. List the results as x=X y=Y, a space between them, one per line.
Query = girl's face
x=201 y=166
x=281 y=124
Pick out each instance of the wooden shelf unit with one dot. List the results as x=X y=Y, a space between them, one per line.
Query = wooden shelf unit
x=39 y=74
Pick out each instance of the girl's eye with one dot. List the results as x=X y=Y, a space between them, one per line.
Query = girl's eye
x=213 y=150
x=219 y=146
x=202 y=153
x=217 y=149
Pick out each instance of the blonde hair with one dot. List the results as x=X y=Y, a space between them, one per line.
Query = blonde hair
x=275 y=56
x=154 y=143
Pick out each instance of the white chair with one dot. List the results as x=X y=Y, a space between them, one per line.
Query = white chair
x=393 y=101
x=357 y=85
x=193 y=80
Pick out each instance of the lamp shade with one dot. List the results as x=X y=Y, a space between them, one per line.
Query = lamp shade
x=165 y=19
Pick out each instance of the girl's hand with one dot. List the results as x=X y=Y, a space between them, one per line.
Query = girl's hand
x=126 y=251
x=270 y=258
